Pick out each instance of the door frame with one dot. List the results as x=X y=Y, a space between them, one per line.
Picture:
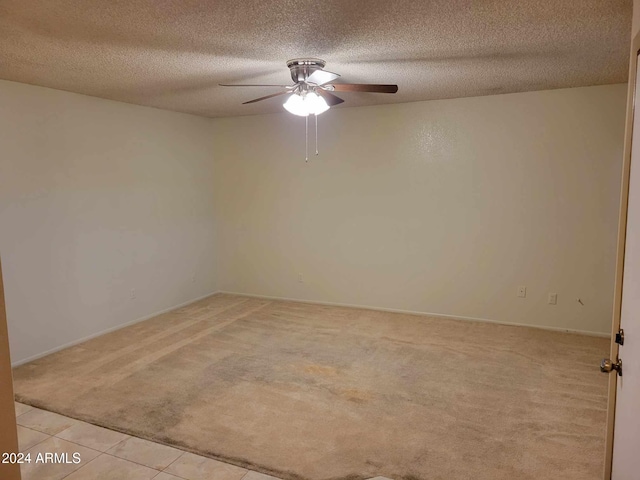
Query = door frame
x=622 y=236
x=8 y=429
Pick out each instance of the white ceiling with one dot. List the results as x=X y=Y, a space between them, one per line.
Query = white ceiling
x=172 y=54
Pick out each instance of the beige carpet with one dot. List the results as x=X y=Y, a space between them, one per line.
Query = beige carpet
x=319 y=392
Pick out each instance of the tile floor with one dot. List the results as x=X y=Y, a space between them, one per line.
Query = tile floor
x=106 y=455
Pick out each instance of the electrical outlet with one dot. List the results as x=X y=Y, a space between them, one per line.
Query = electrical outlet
x=522 y=291
x=300 y=279
x=132 y=293
x=553 y=298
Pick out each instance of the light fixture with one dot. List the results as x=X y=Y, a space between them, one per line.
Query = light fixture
x=315 y=103
x=306 y=103
x=295 y=104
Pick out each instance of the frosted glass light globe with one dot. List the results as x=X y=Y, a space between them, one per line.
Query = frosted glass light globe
x=295 y=104
x=315 y=103
x=309 y=104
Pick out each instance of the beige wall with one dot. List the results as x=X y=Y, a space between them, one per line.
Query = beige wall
x=635 y=28
x=444 y=206
x=98 y=198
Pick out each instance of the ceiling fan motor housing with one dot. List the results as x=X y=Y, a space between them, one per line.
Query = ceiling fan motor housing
x=301 y=68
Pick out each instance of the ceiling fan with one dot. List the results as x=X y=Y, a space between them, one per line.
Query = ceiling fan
x=311 y=93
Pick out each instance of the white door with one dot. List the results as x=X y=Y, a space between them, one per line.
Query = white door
x=626 y=436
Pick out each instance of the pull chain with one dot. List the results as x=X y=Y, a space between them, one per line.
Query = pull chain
x=306 y=138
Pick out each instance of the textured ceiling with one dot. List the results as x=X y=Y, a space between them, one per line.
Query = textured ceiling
x=171 y=54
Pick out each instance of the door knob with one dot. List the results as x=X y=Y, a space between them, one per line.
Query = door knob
x=607 y=366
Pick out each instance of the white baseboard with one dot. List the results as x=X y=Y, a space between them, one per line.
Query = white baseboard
x=316 y=302
x=411 y=312
x=108 y=330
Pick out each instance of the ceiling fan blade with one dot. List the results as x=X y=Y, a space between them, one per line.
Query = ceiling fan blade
x=320 y=77
x=364 y=87
x=253 y=85
x=329 y=97
x=265 y=97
